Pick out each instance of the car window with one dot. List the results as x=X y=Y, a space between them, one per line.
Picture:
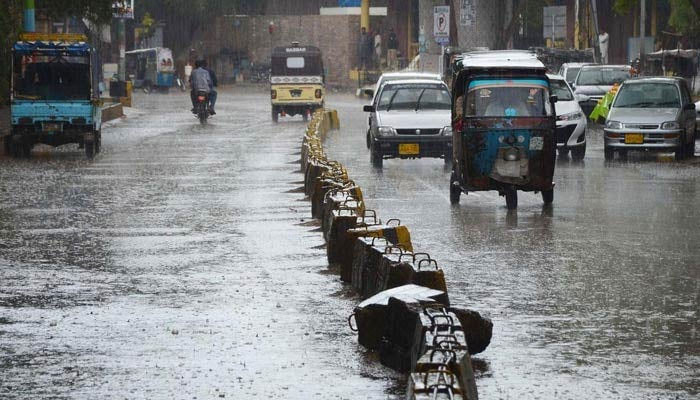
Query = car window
x=414 y=97
x=601 y=76
x=648 y=95
x=507 y=98
x=571 y=73
x=560 y=89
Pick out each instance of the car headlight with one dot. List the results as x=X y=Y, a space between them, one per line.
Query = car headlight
x=386 y=131
x=670 y=125
x=446 y=131
x=613 y=125
x=576 y=115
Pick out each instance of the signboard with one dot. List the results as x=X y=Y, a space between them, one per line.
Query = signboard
x=441 y=27
x=123 y=9
x=467 y=12
x=554 y=22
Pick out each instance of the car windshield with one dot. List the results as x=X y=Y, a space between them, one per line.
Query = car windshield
x=414 y=97
x=507 y=98
x=561 y=90
x=601 y=76
x=571 y=73
x=648 y=95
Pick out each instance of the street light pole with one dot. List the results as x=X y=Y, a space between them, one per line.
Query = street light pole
x=642 y=32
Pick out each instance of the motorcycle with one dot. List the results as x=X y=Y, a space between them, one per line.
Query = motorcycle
x=201 y=107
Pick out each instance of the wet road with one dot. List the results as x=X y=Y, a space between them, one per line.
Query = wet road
x=181 y=263
x=597 y=297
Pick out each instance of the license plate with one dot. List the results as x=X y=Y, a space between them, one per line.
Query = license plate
x=634 y=138
x=409 y=149
x=53 y=127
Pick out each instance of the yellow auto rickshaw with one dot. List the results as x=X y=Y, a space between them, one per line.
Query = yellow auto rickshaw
x=297 y=81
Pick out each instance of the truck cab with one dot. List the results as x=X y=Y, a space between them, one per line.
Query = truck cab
x=54 y=94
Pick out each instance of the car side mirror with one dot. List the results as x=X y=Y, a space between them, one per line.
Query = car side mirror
x=554 y=98
x=689 y=106
x=368 y=108
x=369 y=92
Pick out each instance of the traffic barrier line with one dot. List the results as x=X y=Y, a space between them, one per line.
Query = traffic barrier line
x=421 y=335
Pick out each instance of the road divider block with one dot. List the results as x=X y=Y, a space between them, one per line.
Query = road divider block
x=406 y=316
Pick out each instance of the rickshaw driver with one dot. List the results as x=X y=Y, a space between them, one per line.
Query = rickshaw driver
x=505 y=102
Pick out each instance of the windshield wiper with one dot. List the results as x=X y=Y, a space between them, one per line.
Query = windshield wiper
x=643 y=104
x=391 y=100
x=418 y=102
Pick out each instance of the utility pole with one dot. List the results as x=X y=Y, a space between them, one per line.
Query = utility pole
x=29 y=16
x=642 y=32
x=121 y=29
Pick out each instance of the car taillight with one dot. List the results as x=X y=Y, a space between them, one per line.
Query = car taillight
x=318 y=93
x=200 y=98
x=273 y=94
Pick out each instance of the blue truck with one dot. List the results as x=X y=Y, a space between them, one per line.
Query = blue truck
x=55 y=98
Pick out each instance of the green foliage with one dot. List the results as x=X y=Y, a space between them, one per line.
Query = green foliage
x=97 y=10
x=10 y=25
x=684 y=18
x=624 y=7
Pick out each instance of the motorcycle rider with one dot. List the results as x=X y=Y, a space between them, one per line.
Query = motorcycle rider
x=215 y=83
x=200 y=81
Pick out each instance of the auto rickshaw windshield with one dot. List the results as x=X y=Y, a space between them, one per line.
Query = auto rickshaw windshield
x=508 y=98
x=297 y=65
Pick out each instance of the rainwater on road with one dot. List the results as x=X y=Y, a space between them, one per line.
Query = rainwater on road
x=182 y=263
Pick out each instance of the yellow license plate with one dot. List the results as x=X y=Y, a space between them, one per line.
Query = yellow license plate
x=409 y=149
x=634 y=138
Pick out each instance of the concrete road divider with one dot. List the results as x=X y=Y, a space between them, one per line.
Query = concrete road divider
x=111 y=112
x=406 y=315
x=370 y=315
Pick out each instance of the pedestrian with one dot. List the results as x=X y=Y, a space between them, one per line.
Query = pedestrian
x=392 y=50
x=378 y=49
x=603 y=41
x=188 y=72
x=369 y=48
x=362 y=49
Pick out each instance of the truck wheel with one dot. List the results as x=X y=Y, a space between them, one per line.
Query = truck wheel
x=511 y=199
x=89 y=149
x=548 y=196
x=98 y=142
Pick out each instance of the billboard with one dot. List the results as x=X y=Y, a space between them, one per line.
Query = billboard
x=123 y=9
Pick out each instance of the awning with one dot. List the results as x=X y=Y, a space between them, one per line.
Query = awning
x=53 y=48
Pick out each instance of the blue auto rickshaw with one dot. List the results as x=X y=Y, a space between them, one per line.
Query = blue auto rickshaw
x=151 y=69
x=55 y=98
x=504 y=123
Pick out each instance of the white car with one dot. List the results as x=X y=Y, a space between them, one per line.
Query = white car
x=395 y=76
x=411 y=119
x=571 y=122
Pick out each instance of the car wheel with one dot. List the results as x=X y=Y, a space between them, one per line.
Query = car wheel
x=548 y=196
x=691 y=149
x=680 y=152
x=609 y=153
x=376 y=157
x=369 y=140
x=511 y=199
x=578 y=153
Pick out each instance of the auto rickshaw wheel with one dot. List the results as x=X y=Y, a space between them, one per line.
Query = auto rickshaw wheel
x=691 y=149
x=275 y=115
x=511 y=199
x=548 y=196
